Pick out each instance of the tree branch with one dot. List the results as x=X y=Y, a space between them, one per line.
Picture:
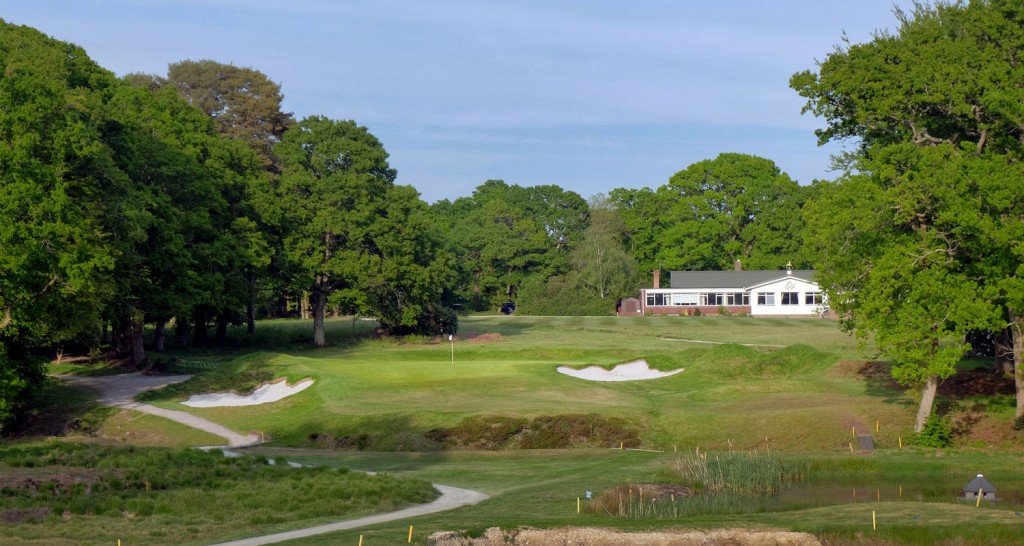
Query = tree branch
x=6 y=321
x=921 y=136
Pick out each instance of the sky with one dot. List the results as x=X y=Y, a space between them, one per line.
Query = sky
x=589 y=95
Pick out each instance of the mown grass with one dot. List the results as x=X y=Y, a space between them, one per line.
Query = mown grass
x=781 y=386
x=390 y=393
x=541 y=487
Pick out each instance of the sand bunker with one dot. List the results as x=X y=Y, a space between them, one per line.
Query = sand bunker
x=631 y=371
x=271 y=392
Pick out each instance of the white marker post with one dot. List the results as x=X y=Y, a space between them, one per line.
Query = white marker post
x=451 y=339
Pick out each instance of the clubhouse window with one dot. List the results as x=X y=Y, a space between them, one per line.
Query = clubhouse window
x=659 y=299
x=712 y=298
x=812 y=298
x=790 y=298
x=766 y=298
x=737 y=298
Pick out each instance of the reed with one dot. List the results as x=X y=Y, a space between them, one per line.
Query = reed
x=744 y=473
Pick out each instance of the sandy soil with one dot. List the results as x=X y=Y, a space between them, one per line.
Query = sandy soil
x=637 y=370
x=589 y=536
x=271 y=392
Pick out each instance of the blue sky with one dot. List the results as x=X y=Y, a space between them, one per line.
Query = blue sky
x=589 y=95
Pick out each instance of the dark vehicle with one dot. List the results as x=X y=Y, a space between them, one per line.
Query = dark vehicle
x=508 y=307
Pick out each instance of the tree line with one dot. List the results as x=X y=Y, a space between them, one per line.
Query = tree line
x=191 y=199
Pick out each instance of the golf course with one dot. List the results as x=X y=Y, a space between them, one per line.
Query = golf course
x=757 y=432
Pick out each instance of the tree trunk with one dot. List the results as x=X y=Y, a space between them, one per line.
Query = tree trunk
x=1004 y=351
x=304 y=306
x=159 y=335
x=181 y=331
x=122 y=336
x=199 y=334
x=138 y=350
x=1016 y=324
x=250 y=316
x=319 y=301
x=931 y=387
x=222 y=329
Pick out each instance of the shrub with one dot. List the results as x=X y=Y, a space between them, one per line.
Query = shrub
x=937 y=432
x=1018 y=423
x=434 y=320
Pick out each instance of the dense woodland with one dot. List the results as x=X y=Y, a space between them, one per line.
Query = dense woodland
x=190 y=202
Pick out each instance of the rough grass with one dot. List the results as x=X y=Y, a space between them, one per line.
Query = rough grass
x=108 y=493
x=807 y=397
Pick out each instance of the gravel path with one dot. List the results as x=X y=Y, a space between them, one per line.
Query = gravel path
x=451 y=497
x=118 y=391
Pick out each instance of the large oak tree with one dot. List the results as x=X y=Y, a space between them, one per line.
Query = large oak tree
x=932 y=197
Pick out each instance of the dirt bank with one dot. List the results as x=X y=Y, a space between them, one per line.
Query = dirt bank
x=589 y=536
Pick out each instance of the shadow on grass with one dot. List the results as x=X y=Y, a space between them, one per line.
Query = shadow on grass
x=60 y=409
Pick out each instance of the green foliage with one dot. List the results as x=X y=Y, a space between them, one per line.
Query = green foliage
x=714 y=212
x=561 y=296
x=918 y=242
x=1018 y=423
x=245 y=103
x=937 y=432
x=434 y=320
x=355 y=240
x=507 y=235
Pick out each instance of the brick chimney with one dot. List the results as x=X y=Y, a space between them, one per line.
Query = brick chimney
x=738 y=266
x=657 y=278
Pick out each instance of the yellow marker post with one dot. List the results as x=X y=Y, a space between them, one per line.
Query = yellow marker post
x=878 y=495
x=622 y=445
x=851 y=447
x=577 y=505
x=981 y=493
x=360 y=540
x=876 y=425
x=874 y=522
x=853 y=431
x=901 y=442
x=410 y=534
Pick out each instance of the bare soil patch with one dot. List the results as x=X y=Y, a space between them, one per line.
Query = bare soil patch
x=591 y=536
x=479 y=338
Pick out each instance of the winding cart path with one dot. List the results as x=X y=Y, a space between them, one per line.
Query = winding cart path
x=118 y=391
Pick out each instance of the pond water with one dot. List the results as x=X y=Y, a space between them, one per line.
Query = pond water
x=816 y=494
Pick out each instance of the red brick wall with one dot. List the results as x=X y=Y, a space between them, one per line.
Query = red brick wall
x=689 y=309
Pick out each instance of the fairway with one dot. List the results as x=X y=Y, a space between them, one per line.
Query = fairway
x=776 y=390
x=460 y=414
